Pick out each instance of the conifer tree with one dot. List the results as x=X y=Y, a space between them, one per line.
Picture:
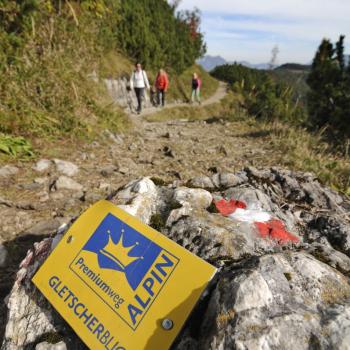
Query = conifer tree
x=329 y=97
x=152 y=32
x=340 y=52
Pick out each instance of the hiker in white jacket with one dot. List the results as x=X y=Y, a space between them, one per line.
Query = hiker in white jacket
x=139 y=82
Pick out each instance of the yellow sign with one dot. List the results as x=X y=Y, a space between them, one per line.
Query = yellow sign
x=120 y=284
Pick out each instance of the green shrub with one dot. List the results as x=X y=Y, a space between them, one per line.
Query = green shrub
x=264 y=98
x=48 y=49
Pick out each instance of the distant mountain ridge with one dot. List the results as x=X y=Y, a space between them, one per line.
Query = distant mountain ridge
x=209 y=62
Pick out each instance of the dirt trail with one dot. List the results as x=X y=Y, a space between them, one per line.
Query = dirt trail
x=172 y=151
x=218 y=95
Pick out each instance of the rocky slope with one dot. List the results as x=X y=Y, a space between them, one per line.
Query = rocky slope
x=282 y=284
x=283 y=281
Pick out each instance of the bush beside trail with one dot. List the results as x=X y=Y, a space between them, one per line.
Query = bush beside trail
x=264 y=98
x=47 y=51
x=49 y=48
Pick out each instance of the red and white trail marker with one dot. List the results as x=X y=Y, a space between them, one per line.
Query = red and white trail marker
x=267 y=226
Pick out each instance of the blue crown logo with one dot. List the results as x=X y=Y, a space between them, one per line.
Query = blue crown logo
x=120 y=248
x=118 y=252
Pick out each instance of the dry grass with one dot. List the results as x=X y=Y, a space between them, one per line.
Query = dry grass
x=46 y=92
x=332 y=294
x=293 y=147
x=221 y=109
x=115 y=65
x=224 y=318
x=298 y=149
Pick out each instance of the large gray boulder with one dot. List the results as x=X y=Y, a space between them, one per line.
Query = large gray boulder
x=282 y=301
x=269 y=294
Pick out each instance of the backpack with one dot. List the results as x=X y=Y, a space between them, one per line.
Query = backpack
x=195 y=84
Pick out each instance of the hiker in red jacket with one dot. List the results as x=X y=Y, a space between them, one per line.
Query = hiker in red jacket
x=161 y=84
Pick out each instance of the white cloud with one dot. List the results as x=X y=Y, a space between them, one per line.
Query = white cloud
x=297 y=26
x=317 y=9
x=293 y=30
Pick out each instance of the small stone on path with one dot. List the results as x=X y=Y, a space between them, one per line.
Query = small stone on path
x=66 y=183
x=42 y=165
x=66 y=168
x=8 y=170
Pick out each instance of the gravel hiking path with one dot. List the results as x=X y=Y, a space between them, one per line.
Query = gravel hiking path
x=218 y=95
x=31 y=202
x=35 y=203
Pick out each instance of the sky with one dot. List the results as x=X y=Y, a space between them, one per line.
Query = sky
x=247 y=30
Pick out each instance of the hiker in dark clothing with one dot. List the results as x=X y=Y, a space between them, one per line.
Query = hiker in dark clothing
x=196 y=89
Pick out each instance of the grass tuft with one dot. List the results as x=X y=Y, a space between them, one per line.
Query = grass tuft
x=15 y=146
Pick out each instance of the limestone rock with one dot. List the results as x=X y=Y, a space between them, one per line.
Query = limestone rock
x=253 y=198
x=194 y=197
x=216 y=238
x=262 y=174
x=108 y=170
x=42 y=165
x=282 y=301
x=30 y=315
x=225 y=180
x=47 y=346
x=45 y=227
x=125 y=165
x=201 y=182
x=336 y=231
x=177 y=214
x=65 y=167
x=266 y=296
x=139 y=198
x=330 y=256
x=92 y=197
x=32 y=186
x=66 y=183
x=8 y=170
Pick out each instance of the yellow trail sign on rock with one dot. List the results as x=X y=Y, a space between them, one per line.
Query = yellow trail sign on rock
x=119 y=283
